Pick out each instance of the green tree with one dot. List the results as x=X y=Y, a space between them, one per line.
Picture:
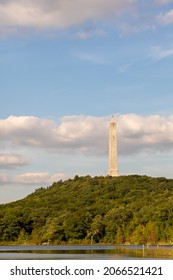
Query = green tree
x=53 y=231
x=74 y=226
x=152 y=232
x=97 y=229
x=138 y=235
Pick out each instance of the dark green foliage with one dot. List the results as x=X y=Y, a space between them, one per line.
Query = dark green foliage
x=134 y=209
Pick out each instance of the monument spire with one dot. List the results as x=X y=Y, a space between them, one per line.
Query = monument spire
x=113 y=162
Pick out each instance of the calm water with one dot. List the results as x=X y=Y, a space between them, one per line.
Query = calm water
x=85 y=252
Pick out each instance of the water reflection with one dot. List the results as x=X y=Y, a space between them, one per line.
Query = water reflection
x=86 y=252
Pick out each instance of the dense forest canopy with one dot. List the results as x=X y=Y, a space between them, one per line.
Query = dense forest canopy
x=126 y=209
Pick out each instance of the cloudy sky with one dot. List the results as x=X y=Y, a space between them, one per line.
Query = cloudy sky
x=67 y=66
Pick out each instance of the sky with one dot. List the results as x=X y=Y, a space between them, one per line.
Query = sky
x=67 y=66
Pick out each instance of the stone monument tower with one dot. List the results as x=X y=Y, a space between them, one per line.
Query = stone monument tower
x=113 y=162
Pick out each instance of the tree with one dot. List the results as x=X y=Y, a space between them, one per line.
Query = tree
x=97 y=229
x=138 y=235
x=53 y=231
x=151 y=232
x=74 y=226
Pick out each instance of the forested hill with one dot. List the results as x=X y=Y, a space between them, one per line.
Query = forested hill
x=134 y=209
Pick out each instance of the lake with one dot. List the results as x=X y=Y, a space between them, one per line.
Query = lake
x=85 y=252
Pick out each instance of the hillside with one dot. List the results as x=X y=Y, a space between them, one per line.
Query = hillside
x=134 y=209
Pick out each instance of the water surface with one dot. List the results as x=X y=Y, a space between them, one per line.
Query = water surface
x=85 y=252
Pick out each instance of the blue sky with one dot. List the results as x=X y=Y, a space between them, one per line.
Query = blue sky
x=65 y=68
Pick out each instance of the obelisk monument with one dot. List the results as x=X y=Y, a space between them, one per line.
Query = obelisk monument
x=113 y=161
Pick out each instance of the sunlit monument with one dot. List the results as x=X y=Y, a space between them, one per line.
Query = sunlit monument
x=113 y=161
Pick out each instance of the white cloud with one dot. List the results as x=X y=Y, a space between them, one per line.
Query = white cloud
x=12 y=160
x=166 y=18
x=125 y=67
x=163 y=2
x=93 y=58
x=159 y=53
x=24 y=130
x=88 y=135
x=57 y=13
x=74 y=133
x=145 y=134
x=4 y=179
x=89 y=33
x=38 y=178
x=127 y=15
